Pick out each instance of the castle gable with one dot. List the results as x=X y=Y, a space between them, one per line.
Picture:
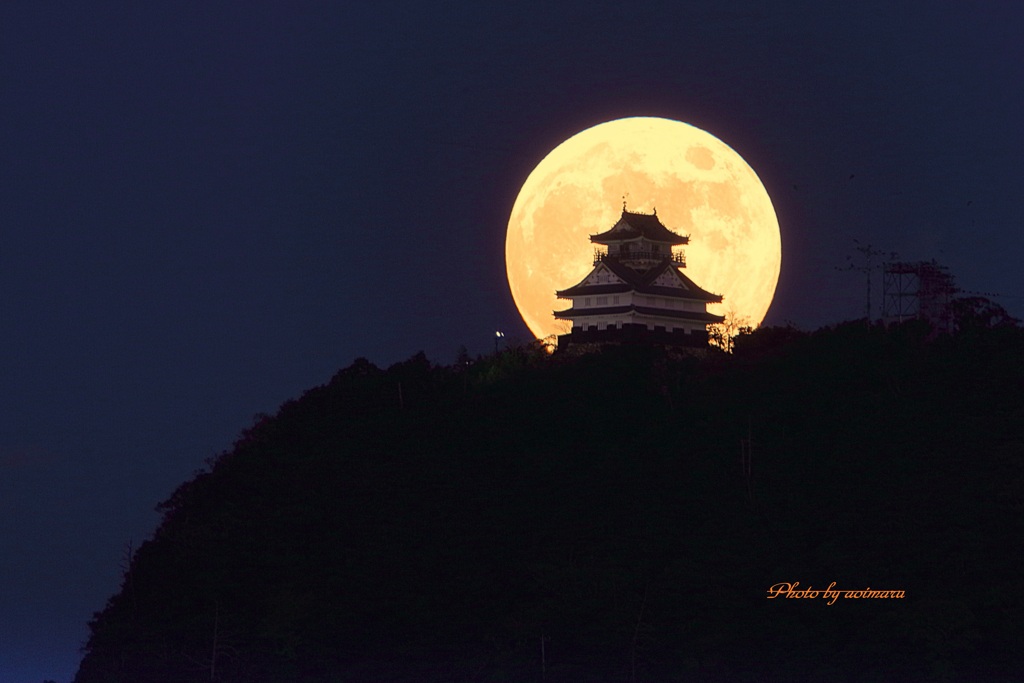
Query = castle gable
x=669 y=278
x=602 y=275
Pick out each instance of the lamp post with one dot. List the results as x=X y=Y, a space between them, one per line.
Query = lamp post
x=497 y=336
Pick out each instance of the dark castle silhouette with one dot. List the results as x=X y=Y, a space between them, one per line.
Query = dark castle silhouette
x=637 y=291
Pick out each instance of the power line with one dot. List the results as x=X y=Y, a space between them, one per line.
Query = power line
x=869 y=253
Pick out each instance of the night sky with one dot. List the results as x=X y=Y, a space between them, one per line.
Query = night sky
x=207 y=208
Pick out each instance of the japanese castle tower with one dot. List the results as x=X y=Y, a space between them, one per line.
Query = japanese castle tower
x=636 y=291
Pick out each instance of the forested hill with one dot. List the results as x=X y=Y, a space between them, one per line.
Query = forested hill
x=533 y=518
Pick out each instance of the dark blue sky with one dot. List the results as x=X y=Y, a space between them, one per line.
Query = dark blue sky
x=207 y=208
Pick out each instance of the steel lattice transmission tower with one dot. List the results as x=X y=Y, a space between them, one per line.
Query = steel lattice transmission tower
x=921 y=290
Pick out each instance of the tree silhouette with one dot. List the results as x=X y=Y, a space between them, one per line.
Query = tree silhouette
x=723 y=335
x=586 y=518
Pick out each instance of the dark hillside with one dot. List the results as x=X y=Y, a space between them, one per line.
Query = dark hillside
x=587 y=519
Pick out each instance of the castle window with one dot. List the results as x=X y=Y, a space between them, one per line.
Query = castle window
x=615 y=299
x=602 y=301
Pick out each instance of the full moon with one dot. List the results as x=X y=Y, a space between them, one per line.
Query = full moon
x=696 y=184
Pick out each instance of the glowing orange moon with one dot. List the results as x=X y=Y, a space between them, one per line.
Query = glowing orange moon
x=697 y=184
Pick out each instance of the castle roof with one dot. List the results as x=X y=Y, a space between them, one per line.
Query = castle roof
x=700 y=316
x=635 y=225
x=642 y=283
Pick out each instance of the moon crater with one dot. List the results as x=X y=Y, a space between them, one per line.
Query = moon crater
x=701 y=157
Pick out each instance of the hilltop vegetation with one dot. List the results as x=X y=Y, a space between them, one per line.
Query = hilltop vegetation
x=527 y=518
